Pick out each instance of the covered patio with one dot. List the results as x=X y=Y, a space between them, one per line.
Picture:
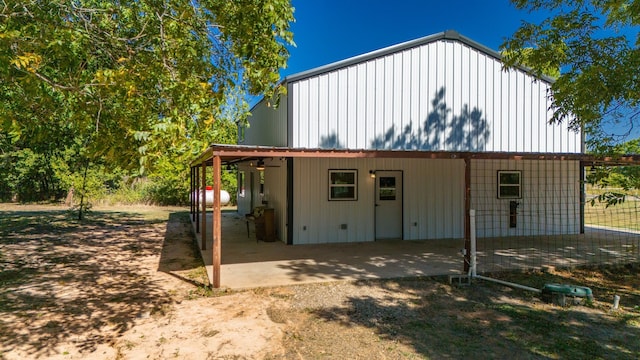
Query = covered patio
x=247 y=263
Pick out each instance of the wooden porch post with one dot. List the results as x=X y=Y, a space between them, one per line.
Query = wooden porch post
x=467 y=213
x=203 y=231
x=197 y=198
x=217 y=218
x=191 y=192
x=583 y=197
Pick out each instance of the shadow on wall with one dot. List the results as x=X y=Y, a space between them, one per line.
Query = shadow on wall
x=467 y=131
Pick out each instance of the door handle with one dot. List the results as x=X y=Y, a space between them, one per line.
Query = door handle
x=377 y=204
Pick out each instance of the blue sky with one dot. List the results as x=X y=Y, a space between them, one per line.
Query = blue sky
x=326 y=31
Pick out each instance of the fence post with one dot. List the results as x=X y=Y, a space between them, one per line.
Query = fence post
x=472 y=238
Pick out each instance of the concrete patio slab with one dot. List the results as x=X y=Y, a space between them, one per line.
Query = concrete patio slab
x=247 y=263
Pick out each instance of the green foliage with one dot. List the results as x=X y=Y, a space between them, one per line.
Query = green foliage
x=97 y=86
x=27 y=176
x=595 y=45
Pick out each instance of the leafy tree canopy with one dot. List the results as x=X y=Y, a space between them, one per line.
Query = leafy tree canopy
x=594 y=43
x=126 y=81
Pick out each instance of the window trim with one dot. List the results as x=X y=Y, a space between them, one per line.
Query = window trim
x=354 y=185
x=501 y=185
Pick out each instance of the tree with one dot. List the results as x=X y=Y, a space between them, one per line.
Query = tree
x=134 y=83
x=594 y=43
x=134 y=77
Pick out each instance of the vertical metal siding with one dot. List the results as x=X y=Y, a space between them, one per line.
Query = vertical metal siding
x=550 y=202
x=351 y=104
x=275 y=191
x=313 y=126
x=433 y=200
x=267 y=124
x=244 y=202
x=386 y=103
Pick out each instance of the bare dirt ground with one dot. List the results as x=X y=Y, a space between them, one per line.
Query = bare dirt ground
x=126 y=284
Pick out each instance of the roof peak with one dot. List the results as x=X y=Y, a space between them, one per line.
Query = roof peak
x=444 y=35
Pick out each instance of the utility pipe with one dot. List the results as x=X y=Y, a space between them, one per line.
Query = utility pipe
x=510 y=284
x=473 y=268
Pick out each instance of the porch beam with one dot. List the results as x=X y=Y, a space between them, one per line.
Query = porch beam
x=230 y=153
x=217 y=221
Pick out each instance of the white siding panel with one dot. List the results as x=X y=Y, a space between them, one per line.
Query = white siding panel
x=443 y=95
x=534 y=136
x=405 y=107
x=550 y=202
x=267 y=125
x=497 y=90
x=543 y=125
x=275 y=193
x=303 y=114
x=436 y=73
x=433 y=200
x=395 y=122
x=449 y=95
x=414 y=98
x=352 y=107
x=313 y=135
x=424 y=96
x=244 y=200
x=525 y=134
x=324 y=123
x=332 y=111
x=362 y=89
x=371 y=107
x=380 y=102
x=343 y=101
x=513 y=103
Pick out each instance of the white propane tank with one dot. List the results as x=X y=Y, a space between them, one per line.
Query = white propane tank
x=224 y=196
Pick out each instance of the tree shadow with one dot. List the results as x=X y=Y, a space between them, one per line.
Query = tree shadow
x=440 y=131
x=79 y=282
x=467 y=131
x=438 y=320
x=372 y=260
x=180 y=253
x=331 y=142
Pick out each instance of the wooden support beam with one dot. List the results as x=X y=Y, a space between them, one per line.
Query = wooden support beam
x=192 y=195
x=197 y=215
x=217 y=221
x=203 y=231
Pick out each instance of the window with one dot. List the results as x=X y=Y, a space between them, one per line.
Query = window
x=387 y=190
x=509 y=184
x=241 y=179
x=343 y=185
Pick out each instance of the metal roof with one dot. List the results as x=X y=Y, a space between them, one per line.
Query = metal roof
x=445 y=35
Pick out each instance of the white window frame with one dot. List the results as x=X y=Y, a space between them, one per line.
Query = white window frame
x=333 y=185
x=517 y=185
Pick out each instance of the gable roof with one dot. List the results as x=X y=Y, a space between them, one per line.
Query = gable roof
x=445 y=35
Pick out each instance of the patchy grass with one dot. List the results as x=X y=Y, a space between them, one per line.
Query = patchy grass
x=623 y=215
x=428 y=318
x=77 y=286
x=78 y=281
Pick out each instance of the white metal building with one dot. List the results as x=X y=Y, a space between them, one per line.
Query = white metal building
x=429 y=101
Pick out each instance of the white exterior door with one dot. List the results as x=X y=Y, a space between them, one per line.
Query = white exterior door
x=388 y=211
